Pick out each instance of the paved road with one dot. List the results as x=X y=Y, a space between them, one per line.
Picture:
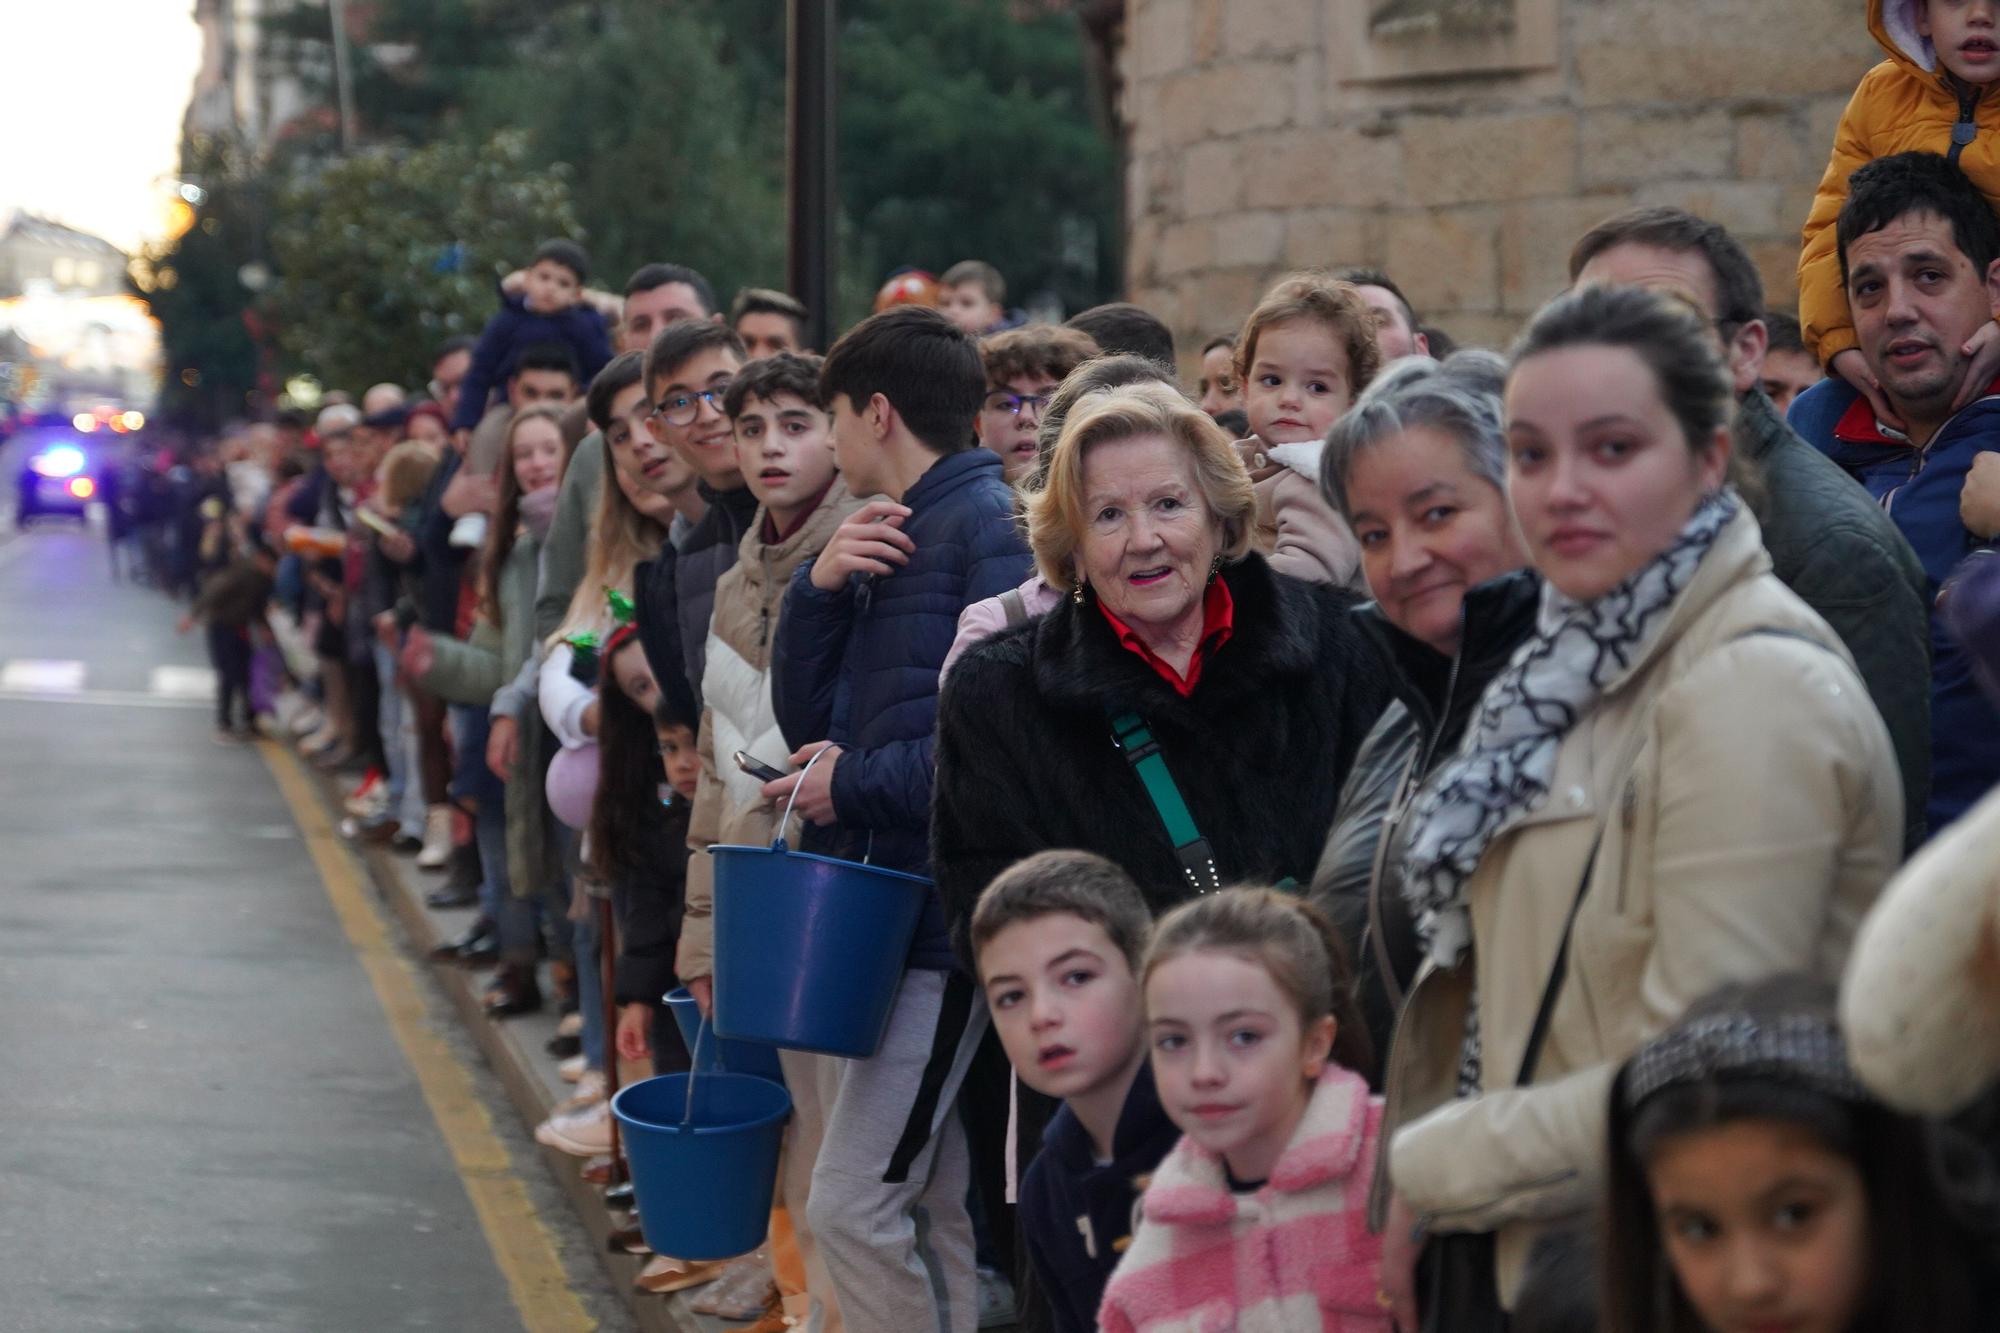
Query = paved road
x=206 y=1121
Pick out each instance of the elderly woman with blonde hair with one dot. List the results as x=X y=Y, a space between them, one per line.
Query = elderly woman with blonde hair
x=1184 y=711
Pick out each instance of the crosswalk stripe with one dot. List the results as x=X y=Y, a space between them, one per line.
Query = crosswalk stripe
x=40 y=675
x=182 y=682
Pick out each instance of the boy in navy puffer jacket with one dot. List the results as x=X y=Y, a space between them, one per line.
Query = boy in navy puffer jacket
x=855 y=665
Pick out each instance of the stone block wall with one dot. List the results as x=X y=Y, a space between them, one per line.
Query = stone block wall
x=1462 y=145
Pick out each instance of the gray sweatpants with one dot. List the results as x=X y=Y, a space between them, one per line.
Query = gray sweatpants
x=887 y=1206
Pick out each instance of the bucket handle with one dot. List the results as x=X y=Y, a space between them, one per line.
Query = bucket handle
x=694 y=1067
x=778 y=844
x=785 y=823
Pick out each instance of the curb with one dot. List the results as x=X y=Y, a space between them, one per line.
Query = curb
x=519 y=1072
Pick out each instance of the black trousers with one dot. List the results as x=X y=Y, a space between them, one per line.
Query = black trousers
x=229 y=654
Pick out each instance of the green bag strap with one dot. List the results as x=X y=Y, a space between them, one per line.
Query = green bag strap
x=1134 y=739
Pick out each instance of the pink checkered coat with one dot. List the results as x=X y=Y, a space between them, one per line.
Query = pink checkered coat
x=1294 y=1257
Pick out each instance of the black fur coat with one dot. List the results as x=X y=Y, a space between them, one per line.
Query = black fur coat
x=1025 y=760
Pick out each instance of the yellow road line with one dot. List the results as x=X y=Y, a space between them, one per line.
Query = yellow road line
x=521 y=1244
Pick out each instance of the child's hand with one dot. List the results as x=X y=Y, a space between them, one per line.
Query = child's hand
x=871 y=541
x=1983 y=349
x=419 y=653
x=186 y=624
x=1851 y=366
x=503 y=747
x=703 y=990
x=1979 y=501
x=1401 y=1247
x=635 y=1023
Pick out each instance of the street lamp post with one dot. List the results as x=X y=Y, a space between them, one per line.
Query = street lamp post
x=809 y=180
x=343 y=79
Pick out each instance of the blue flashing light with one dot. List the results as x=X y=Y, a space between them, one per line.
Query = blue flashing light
x=63 y=460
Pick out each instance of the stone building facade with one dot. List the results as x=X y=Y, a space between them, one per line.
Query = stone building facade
x=1462 y=145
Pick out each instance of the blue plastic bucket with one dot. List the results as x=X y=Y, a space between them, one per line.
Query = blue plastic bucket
x=809 y=950
x=705 y=1179
x=711 y=1053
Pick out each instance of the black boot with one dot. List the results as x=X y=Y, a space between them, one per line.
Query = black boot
x=514 y=991
x=478 y=940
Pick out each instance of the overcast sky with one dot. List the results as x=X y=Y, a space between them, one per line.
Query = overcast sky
x=95 y=91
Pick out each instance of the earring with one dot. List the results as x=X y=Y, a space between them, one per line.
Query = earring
x=1076 y=593
x=1215 y=570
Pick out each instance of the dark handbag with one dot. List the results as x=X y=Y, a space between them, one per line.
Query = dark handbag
x=1458 y=1289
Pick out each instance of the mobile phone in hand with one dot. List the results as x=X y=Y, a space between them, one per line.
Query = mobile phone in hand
x=756 y=767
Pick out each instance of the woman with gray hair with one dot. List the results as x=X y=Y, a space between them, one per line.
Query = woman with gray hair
x=1416 y=469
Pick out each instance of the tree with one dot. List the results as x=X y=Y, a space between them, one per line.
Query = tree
x=193 y=285
x=966 y=133
x=384 y=254
x=966 y=127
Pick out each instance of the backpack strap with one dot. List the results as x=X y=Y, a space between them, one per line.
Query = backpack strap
x=1134 y=739
x=1015 y=606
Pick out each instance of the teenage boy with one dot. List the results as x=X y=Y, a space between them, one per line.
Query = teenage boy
x=656 y=296
x=768 y=322
x=855 y=672
x=1024 y=367
x=973 y=296
x=1057 y=939
x=689 y=368
x=785 y=454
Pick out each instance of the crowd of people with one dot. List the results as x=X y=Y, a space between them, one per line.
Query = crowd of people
x=1421 y=838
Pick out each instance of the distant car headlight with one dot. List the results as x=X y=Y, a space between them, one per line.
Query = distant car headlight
x=64 y=460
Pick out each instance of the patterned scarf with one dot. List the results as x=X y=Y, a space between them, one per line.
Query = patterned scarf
x=1503 y=769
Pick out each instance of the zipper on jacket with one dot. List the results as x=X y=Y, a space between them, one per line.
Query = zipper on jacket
x=1967 y=128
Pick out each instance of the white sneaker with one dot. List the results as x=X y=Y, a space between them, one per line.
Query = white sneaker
x=571 y=1025
x=581 y=1133
x=996 y=1299
x=370 y=801
x=589 y=1091
x=307 y=719
x=321 y=737
x=437 y=837
x=572 y=1069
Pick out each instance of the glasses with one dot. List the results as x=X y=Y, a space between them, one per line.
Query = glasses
x=681 y=409
x=1012 y=403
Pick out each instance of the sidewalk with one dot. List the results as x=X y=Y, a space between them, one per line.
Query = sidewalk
x=515 y=1048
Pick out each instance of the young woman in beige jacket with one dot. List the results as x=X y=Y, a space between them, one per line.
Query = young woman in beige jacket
x=1678 y=781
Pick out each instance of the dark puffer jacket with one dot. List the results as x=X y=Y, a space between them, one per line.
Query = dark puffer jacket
x=1919 y=489
x=1436 y=697
x=1259 y=750
x=674 y=594
x=1845 y=559
x=860 y=666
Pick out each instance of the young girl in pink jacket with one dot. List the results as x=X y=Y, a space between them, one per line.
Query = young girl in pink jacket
x=1257 y=1220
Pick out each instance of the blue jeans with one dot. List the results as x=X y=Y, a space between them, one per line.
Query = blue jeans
x=389 y=721
x=590 y=985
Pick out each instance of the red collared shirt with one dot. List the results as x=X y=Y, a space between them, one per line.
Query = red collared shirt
x=1218 y=623
x=1858 y=425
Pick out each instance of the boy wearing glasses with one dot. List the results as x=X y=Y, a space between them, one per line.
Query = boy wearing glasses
x=854 y=674
x=1023 y=369
x=689 y=368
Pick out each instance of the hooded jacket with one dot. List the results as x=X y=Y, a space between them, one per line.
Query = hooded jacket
x=859 y=666
x=1259 y=749
x=737 y=714
x=1297 y=530
x=1435 y=698
x=1919 y=487
x=1727 y=809
x=1908 y=103
x=1078 y=1214
x=1295 y=1255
